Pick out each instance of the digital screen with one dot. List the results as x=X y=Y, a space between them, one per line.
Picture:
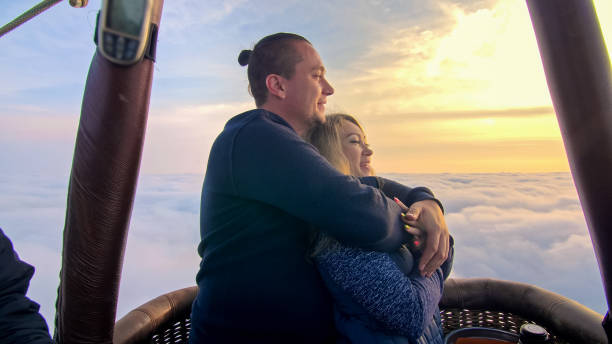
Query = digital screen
x=126 y=15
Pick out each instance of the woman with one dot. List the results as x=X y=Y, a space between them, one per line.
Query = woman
x=379 y=297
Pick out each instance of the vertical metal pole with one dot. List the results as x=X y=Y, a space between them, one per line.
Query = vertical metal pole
x=579 y=77
x=101 y=192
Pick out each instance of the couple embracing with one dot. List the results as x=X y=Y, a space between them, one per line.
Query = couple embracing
x=300 y=243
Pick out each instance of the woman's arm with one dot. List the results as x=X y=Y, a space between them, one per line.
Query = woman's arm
x=400 y=303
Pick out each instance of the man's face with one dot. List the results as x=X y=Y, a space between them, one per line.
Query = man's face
x=308 y=89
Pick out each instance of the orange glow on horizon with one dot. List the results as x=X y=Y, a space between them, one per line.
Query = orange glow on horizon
x=495 y=144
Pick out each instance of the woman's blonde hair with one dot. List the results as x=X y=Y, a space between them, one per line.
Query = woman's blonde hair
x=326 y=138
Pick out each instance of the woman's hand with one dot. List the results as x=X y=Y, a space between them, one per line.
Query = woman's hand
x=428 y=216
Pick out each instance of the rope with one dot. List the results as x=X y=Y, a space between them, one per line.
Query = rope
x=31 y=13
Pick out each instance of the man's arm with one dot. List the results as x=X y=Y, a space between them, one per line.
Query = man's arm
x=20 y=321
x=275 y=166
x=407 y=195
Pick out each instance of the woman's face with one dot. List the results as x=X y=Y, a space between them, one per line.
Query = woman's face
x=356 y=149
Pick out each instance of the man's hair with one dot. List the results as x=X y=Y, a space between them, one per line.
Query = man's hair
x=326 y=138
x=274 y=54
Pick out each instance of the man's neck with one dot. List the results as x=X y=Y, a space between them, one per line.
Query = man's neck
x=297 y=125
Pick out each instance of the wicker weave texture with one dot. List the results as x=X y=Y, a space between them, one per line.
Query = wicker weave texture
x=453 y=319
x=177 y=332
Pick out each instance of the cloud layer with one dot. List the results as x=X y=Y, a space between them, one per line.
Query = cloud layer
x=521 y=227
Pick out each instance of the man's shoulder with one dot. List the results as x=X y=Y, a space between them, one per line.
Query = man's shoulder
x=257 y=124
x=257 y=117
x=255 y=129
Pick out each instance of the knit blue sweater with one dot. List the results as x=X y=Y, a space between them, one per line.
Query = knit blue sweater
x=380 y=297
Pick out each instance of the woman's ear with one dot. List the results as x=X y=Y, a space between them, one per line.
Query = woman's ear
x=276 y=85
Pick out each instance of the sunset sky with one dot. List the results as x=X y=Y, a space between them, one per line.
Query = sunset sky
x=440 y=86
x=450 y=86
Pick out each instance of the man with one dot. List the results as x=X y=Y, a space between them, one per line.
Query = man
x=265 y=188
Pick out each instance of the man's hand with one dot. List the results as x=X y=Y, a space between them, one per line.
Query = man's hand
x=428 y=216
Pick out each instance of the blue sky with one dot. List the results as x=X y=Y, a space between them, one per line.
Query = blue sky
x=441 y=86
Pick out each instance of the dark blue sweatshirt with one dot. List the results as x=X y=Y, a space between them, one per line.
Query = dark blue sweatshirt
x=265 y=188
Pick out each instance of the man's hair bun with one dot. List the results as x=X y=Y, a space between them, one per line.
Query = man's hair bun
x=244 y=57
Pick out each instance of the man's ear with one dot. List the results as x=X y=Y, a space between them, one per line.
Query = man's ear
x=276 y=85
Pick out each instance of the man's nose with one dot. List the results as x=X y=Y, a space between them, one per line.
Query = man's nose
x=328 y=90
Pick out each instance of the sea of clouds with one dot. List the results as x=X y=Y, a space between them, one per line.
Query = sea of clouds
x=521 y=227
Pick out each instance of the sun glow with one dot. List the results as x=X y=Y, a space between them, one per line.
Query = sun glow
x=487 y=59
x=494 y=52
x=431 y=81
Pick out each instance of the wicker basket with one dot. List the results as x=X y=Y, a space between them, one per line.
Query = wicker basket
x=453 y=319
x=174 y=332
x=468 y=302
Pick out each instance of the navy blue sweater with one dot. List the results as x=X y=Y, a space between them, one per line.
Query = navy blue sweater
x=264 y=189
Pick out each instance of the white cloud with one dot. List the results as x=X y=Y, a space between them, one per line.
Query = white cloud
x=481 y=58
x=181 y=15
x=501 y=229
x=161 y=251
x=32 y=210
x=521 y=227
x=179 y=139
x=35 y=124
x=160 y=254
